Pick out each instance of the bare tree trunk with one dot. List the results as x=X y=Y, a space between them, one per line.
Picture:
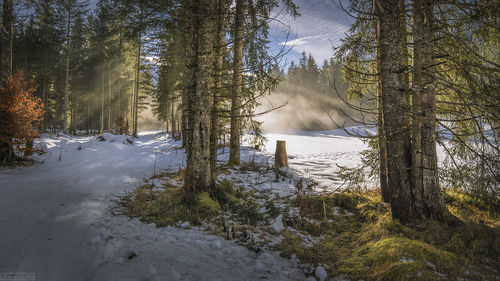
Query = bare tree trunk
x=395 y=108
x=88 y=118
x=184 y=117
x=234 y=141
x=6 y=39
x=382 y=145
x=136 y=88
x=428 y=198
x=6 y=150
x=66 y=88
x=76 y=116
x=119 y=71
x=101 y=129
x=109 y=100
x=198 y=171
x=44 y=100
x=189 y=73
x=172 y=113
x=219 y=59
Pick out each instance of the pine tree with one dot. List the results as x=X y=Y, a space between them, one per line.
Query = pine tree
x=198 y=170
x=237 y=84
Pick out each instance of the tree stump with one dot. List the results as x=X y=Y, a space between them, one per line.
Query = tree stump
x=280 y=157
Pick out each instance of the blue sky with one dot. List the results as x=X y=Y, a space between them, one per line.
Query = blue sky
x=321 y=25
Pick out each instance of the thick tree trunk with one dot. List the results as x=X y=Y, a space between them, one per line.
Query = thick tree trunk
x=395 y=108
x=426 y=191
x=234 y=141
x=198 y=170
x=219 y=59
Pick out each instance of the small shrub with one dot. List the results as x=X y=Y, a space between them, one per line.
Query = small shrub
x=20 y=115
x=122 y=127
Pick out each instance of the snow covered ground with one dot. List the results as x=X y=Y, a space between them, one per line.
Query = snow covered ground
x=56 y=216
x=56 y=220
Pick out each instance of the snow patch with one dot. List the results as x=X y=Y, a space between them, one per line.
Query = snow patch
x=277 y=224
x=320 y=273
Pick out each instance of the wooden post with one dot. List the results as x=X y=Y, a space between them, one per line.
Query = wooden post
x=280 y=157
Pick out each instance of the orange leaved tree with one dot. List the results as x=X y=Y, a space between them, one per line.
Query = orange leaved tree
x=20 y=115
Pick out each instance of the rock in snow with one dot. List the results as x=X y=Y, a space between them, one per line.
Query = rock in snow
x=277 y=224
x=185 y=225
x=320 y=272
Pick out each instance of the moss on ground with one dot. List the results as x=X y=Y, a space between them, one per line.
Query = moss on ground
x=172 y=204
x=167 y=207
x=364 y=242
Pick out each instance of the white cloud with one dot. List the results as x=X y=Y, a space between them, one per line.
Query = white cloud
x=320 y=26
x=299 y=41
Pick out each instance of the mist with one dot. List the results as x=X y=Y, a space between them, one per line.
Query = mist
x=147 y=121
x=306 y=110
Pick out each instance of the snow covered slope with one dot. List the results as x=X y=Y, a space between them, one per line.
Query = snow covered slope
x=56 y=220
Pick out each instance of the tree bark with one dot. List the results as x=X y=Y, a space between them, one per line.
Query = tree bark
x=172 y=113
x=184 y=117
x=395 y=107
x=189 y=70
x=109 y=99
x=101 y=129
x=136 y=86
x=382 y=144
x=428 y=199
x=66 y=88
x=44 y=100
x=219 y=59
x=6 y=46
x=198 y=170
x=119 y=73
x=234 y=140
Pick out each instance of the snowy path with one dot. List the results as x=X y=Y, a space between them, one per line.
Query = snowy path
x=55 y=221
